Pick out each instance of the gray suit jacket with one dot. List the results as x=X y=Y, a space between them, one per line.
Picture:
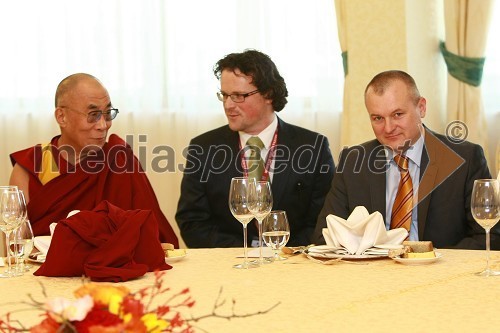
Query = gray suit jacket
x=303 y=172
x=447 y=175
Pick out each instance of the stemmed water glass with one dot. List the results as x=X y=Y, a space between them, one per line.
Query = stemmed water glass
x=260 y=203
x=13 y=213
x=21 y=244
x=238 y=204
x=276 y=231
x=485 y=208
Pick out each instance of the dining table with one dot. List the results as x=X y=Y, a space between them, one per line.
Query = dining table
x=301 y=294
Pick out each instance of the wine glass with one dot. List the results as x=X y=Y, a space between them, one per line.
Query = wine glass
x=238 y=204
x=13 y=239
x=276 y=231
x=260 y=203
x=485 y=208
x=21 y=244
x=12 y=214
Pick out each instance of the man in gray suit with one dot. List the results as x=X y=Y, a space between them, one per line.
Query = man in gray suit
x=297 y=161
x=442 y=171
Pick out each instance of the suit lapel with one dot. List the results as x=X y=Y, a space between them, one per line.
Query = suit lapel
x=438 y=163
x=282 y=164
x=377 y=180
x=235 y=168
x=428 y=172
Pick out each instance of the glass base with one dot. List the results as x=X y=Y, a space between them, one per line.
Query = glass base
x=264 y=261
x=488 y=272
x=24 y=267
x=11 y=273
x=279 y=258
x=246 y=265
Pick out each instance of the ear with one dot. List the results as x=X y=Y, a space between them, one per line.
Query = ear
x=422 y=107
x=60 y=116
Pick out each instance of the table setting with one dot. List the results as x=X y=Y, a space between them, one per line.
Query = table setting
x=330 y=293
x=361 y=236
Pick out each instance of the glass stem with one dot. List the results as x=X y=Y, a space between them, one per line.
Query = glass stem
x=245 y=263
x=9 y=264
x=260 y=241
x=16 y=251
x=487 y=249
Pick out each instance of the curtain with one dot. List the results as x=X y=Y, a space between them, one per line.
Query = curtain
x=156 y=59
x=489 y=90
x=340 y=10
x=466 y=29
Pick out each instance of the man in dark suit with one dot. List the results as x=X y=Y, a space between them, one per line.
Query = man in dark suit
x=442 y=170
x=298 y=162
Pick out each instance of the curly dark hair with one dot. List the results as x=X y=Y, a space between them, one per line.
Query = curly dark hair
x=261 y=68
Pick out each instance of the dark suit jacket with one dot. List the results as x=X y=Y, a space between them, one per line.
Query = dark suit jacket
x=447 y=175
x=302 y=176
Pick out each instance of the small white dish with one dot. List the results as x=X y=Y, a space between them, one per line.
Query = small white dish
x=170 y=260
x=389 y=246
x=418 y=261
x=33 y=257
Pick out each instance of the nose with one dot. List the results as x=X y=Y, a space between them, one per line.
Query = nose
x=228 y=103
x=389 y=125
x=102 y=124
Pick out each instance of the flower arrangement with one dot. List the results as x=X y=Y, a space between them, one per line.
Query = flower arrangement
x=108 y=308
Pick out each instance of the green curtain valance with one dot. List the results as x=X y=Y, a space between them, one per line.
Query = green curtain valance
x=344 y=62
x=465 y=69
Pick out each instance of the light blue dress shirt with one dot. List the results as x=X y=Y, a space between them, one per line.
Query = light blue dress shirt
x=414 y=153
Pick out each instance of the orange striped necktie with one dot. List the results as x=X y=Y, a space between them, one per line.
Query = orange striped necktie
x=403 y=204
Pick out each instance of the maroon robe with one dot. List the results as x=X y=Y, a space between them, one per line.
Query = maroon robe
x=113 y=174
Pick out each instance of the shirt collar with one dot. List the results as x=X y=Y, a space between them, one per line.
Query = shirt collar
x=414 y=153
x=266 y=135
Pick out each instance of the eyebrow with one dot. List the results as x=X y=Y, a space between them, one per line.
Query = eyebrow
x=95 y=107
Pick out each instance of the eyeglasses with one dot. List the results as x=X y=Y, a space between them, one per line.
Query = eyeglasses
x=95 y=116
x=237 y=98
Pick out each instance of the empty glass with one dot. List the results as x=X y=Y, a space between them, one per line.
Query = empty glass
x=485 y=208
x=13 y=213
x=260 y=203
x=238 y=204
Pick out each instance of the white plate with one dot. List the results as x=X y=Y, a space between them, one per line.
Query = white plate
x=346 y=256
x=170 y=260
x=42 y=243
x=33 y=258
x=418 y=261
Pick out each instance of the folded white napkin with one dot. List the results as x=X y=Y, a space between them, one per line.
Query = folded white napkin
x=361 y=233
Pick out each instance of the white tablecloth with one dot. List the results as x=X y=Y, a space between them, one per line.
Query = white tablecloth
x=381 y=296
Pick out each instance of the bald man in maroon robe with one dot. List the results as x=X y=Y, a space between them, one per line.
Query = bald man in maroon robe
x=80 y=168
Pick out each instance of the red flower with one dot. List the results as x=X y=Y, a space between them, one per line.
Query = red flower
x=133 y=306
x=48 y=325
x=97 y=316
